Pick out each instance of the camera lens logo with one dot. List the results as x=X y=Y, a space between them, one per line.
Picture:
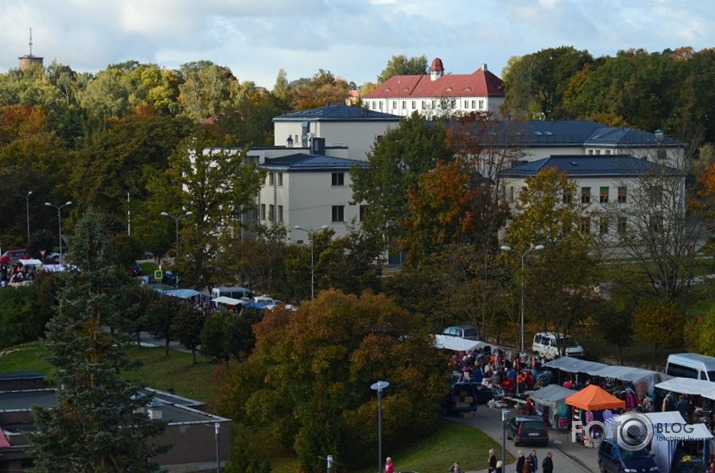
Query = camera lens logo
x=634 y=431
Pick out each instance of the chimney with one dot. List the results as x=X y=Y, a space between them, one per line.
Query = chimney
x=484 y=67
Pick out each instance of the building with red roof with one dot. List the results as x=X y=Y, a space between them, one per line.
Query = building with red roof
x=438 y=94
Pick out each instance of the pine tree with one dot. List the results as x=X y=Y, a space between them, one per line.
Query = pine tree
x=98 y=424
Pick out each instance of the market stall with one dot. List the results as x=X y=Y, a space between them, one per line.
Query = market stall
x=550 y=403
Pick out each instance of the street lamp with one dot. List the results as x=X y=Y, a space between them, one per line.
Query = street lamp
x=379 y=386
x=523 y=256
x=59 y=221
x=176 y=223
x=29 y=193
x=311 y=235
x=504 y=413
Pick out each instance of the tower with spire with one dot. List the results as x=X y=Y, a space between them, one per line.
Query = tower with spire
x=29 y=59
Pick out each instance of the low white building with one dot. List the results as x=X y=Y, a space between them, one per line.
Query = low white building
x=438 y=95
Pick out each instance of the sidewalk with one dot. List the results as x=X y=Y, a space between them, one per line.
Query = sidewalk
x=568 y=457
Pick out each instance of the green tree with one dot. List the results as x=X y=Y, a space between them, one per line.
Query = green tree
x=187 y=325
x=535 y=84
x=660 y=323
x=559 y=280
x=401 y=65
x=98 y=423
x=397 y=161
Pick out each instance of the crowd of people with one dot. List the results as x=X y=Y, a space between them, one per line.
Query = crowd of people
x=16 y=274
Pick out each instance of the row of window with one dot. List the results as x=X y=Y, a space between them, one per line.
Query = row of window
x=337 y=179
x=268 y=212
x=467 y=104
x=655 y=224
x=603 y=195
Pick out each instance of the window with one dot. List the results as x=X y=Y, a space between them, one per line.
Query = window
x=424 y=104
x=586 y=225
x=380 y=105
x=338 y=179
x=271 y=178
x=481 y=105
x=474 y=104
x=272 y=213
x=280 y=213
x=590 y=151
x=622 y=193
x=394 y=104
x=655 y=195
x=414 y=104
x=338 y=213
x=608 y=151
x=603 y=226
x=263 y=211
x=603 y=195
x=622 y=223
x=279 y=178
x=567 y=198
x=511 y=194
x=585 y=195
x=363 y=212
x=404 y=104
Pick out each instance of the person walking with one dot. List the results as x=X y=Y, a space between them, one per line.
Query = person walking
x=520 y=460
x=389 y=466
x=492 y=461
x=534 y=461
x=547 y=466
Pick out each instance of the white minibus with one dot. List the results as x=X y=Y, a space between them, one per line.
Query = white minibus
x=691 y=365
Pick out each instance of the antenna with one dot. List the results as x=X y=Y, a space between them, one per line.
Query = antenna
x=30 y=41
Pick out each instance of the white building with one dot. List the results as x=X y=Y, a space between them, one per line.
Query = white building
x=438 y=94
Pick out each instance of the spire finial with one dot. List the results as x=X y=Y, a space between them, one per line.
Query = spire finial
x=30 y=41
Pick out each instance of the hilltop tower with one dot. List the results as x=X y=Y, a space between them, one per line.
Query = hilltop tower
x=29 y=60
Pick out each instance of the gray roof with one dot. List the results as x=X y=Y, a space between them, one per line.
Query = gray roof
x=336 y=113
x=302 y=162
x=590 y=166
x=570 y=133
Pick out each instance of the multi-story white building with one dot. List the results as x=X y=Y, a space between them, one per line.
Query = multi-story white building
x=438 y=94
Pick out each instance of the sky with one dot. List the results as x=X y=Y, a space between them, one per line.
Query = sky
x=353 y=39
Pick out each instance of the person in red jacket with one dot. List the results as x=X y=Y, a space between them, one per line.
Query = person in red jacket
x=389 y=466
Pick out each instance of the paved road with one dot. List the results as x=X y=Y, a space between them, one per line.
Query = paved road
x=568 y=457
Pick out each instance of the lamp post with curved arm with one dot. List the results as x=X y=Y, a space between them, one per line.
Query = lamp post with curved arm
x=521 y=309
x=27 y=206
x=59 y=222
x=311 y=235
x=176 y=226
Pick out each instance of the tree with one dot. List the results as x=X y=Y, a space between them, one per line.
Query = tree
x=322 y=89
x=324 y=358
x=659 y=322
x=535 y=84
x=187 y=325
x=558 y=281
x=216 y=185
x=397 y=161
x=160 y=314
x=98 y=423
x=402 y=65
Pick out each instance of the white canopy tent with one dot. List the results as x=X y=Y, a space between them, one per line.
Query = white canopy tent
x=553 y=399
x=643 y=381
x=26 y=263
x=227 y=301
x=448 y=342
x=698 y=387
x=576 y=365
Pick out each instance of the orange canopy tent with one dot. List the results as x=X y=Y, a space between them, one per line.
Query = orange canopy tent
x=594 y=398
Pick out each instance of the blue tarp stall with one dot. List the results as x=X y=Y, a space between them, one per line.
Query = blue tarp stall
x=552 y=399
x=665 y=442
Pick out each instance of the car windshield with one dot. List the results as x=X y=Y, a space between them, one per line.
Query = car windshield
x=571 y=343
x=635 y=455
x=470 y=332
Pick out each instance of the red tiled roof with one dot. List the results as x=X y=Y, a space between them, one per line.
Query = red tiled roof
x=481 y=83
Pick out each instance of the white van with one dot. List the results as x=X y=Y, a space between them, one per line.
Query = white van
x=691 y=365
x=232 y=292
x=546 y=344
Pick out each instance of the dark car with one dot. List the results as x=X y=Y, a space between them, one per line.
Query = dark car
x=527 y=430
x=134 y=269
x=463 y=397
x=613 y=459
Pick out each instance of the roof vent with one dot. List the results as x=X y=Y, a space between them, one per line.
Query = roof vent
x=573 y=163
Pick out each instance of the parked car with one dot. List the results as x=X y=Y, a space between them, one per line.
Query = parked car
x=52 y=258
x=547 y=344
x=134 y=269
x=469 y=332
x=528 y=430
x=13 y=256
x=613 y=459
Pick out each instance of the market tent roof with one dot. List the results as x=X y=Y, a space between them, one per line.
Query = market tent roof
x=594 y=398
x=696 y=431
x=227 y=300
x=30 y=262
x=576 y=365
x=626 y=373
x=449 y=342
x=550 y=394
x=699 y=387
x=183 y=293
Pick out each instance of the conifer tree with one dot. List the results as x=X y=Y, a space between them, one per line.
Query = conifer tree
x=98 y=423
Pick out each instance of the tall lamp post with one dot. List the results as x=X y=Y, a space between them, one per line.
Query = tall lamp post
x=311 y=235
x=523 y=257
x=27 y=201
x=504 y=413
x=379 y=386
x=59 y=222
x=176 y=226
